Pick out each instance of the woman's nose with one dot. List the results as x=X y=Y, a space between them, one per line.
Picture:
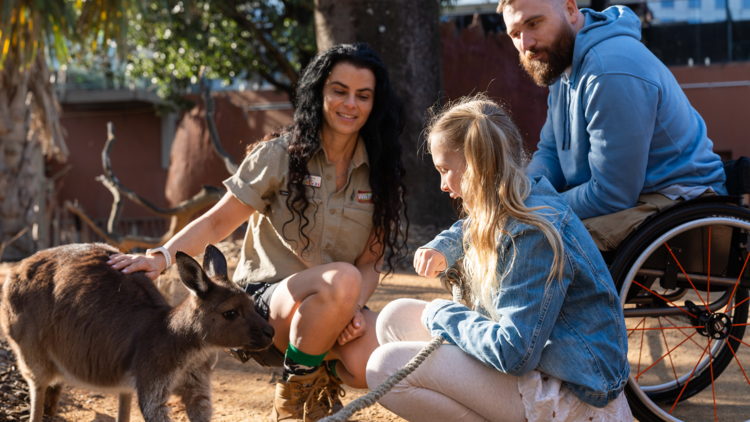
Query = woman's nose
x=350 y=101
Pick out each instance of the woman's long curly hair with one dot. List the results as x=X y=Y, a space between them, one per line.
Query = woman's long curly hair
x=380 y=134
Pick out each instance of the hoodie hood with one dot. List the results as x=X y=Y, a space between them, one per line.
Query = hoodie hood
x=616 y=21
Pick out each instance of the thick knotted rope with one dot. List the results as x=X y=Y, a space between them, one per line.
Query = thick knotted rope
x=453 y=277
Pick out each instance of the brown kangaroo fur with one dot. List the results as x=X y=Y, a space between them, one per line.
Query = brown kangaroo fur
x=69 y=316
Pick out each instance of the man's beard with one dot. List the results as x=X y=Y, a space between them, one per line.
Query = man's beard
x=559 y=57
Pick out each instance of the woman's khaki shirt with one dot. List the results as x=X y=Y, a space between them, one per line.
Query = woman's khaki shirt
x=339 y=222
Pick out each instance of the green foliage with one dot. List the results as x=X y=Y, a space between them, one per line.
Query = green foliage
x=30 y=26
x=228 y=39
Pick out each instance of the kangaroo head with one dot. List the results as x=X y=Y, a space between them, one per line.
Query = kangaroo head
x=220 y=312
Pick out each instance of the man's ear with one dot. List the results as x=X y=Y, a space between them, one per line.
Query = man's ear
x=192 y=275
x=571 y=11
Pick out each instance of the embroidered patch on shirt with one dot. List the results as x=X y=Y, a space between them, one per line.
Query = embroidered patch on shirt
x=313 y=181
x=364 y=196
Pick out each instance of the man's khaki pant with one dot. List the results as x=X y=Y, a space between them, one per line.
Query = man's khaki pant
x=608 y=231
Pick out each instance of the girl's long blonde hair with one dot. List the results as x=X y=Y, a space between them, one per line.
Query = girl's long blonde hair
x=494 y=187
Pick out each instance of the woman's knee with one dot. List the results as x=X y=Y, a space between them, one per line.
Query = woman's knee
x=341 y=284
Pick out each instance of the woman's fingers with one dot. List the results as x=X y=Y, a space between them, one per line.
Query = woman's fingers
x=129 y=264
x=355 y=329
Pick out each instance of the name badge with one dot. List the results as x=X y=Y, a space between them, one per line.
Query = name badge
x=313 y=181
x=364 y=196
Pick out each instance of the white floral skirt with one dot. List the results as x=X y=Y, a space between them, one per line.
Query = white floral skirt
x=545 y=399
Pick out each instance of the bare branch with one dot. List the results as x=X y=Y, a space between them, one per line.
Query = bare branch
x=180 y=215
x=210 y=106
x=11 y=240
x=203 y=198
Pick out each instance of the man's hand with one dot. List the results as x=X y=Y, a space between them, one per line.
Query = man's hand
x=429 y=262
x=354 y=330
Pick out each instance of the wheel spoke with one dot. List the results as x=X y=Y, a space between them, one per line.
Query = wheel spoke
x=666 y=300
x=683 y=333
x=713 y=390
x=640 y=352
x=665 y=355
x=738 y=362
x=688 y=381
x=633 y=329
x=708 y=286
x=686 y=276
x=748 y=345
x=738 y=279
x=738 y=304
x=671 y=362
x=664 y=328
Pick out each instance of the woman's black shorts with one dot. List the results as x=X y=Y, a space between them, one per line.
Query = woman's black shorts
x=261 y=294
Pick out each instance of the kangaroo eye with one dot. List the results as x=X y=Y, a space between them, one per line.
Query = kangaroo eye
x=230 y=314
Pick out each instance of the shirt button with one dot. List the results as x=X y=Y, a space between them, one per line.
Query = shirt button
x=329 y=177
x=333 y=211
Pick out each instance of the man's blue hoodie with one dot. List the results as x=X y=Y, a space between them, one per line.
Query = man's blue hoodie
x=620 y=124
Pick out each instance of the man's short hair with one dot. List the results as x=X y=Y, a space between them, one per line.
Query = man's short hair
x=502 y=5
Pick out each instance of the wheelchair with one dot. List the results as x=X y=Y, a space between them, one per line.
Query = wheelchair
x=684 y=281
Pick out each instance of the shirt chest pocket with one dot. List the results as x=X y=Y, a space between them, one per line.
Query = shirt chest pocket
x=354 y=232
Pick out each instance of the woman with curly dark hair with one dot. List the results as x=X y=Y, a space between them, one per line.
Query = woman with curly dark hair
x=324 y=205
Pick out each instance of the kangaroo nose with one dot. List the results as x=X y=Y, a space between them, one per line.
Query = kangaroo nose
x=269 y=331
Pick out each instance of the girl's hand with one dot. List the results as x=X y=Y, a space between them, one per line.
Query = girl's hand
x=128 y=264
x=429 y=262
x=354 y=330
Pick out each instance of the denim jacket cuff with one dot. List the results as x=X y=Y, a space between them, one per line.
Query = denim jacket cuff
x=451 y=256
x=429 y=316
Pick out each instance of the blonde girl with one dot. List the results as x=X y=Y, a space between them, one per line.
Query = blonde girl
x=544 y=338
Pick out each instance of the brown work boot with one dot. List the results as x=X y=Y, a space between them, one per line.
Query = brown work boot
x=335 y=392
x=301 y=398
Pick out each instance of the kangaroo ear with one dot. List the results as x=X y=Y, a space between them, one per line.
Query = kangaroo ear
x=192 y=275
x=214 y=262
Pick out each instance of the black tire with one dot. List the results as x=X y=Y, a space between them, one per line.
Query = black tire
x=645 y=400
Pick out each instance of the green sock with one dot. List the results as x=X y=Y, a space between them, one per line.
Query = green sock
x=297 y=362
x=332 y=368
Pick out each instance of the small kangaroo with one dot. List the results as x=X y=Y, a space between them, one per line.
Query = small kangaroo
x=70 y=316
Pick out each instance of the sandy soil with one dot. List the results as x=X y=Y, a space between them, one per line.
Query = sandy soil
x=244 y=392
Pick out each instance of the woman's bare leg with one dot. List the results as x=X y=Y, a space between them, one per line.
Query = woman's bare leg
x=311 y=308
x=353 y=356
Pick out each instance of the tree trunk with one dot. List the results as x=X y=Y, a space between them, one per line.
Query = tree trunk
x=406 y=35
x=29 y=130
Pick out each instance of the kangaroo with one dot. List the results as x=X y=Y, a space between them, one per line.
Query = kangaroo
x=70 y=316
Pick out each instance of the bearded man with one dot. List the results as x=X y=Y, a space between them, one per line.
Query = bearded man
x=621 y=140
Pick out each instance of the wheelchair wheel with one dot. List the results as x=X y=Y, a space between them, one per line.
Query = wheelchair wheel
x=683 y=281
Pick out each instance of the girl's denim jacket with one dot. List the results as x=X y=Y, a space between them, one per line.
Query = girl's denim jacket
x=572 y=329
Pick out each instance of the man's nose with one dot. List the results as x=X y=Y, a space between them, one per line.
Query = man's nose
x=527 y=42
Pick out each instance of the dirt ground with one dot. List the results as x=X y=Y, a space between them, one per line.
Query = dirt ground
x=241 y=392
x=244 y=392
